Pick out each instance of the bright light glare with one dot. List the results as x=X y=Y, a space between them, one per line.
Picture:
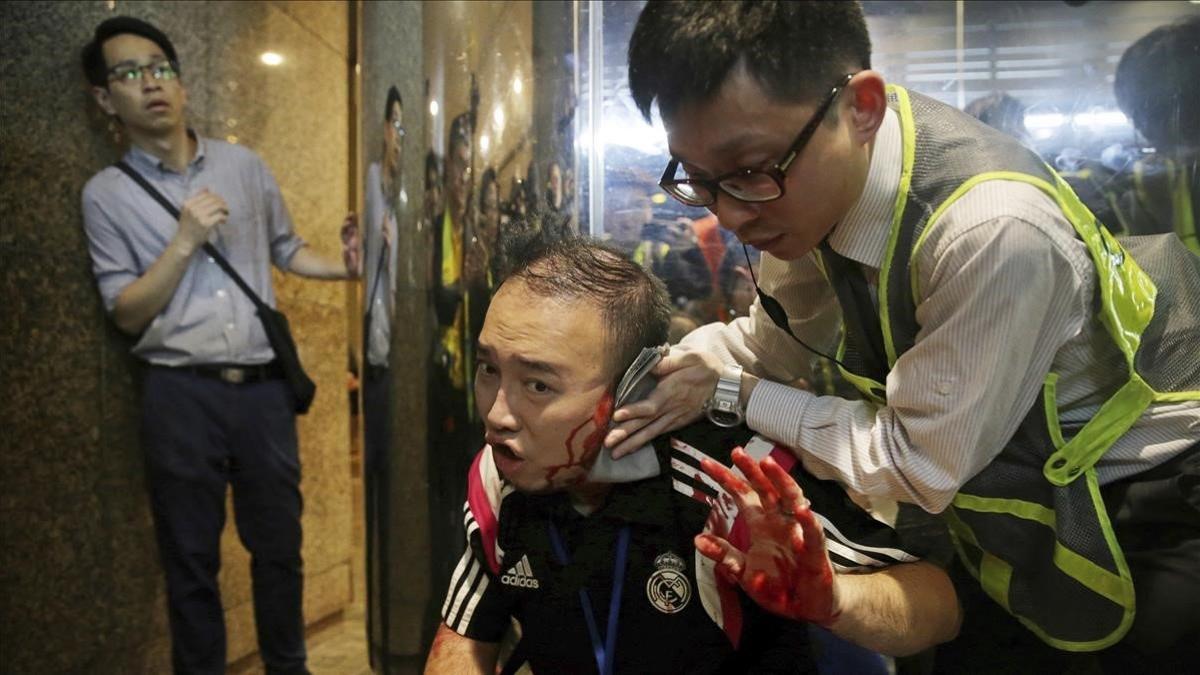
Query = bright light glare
x=433 y=108
x=1101 y=119
x=635 y=134
x=498 y=117
x=1049 y=121
x=271 y=58
x=517 y=86
x=484 y=143
x=629 y=132
x=1045 y=125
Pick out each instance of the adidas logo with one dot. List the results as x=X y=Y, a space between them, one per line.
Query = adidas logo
x=520 y=575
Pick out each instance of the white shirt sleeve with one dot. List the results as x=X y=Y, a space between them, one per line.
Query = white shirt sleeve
x=997 y=297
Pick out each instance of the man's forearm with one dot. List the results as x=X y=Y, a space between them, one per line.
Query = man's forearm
x=308 y=263
x=452 y=654
x=142 y=300
x=899 y=610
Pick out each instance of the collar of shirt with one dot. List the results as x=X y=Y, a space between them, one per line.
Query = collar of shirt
x=643 y=502
x=862 y=235
x=144 y=161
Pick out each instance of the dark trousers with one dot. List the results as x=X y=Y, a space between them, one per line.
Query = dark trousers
x=201 y=435
x=1156 y=517
x=377 y=496
x=449 y=459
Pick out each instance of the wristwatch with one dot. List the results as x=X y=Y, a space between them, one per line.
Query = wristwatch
x=724 y=409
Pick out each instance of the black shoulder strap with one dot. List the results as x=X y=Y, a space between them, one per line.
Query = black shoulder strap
x=208 y=248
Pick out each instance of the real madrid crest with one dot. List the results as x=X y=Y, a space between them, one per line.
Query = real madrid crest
x=668 y=587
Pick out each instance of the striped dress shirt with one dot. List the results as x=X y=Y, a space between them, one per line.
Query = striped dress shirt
x=1004 y=296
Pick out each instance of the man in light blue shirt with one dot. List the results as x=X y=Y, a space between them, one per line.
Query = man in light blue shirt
x=216 y=411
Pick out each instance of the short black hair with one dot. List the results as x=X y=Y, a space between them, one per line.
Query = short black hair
x=460 y=132
x=683 y=51
x=432 y=163
x=1155 y=83
x=489 y=176
x=393 y=96
x=92 y=55
x=553 y=263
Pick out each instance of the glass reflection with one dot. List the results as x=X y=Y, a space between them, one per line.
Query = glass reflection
x=528 y=107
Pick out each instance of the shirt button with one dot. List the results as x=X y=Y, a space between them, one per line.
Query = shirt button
x=229 y=326
x=221 y=293
x=210 y=259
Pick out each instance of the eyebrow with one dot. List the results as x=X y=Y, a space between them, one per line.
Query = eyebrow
x=539 y=366
x=728 y=145
x=546 y=367
x=133 y=62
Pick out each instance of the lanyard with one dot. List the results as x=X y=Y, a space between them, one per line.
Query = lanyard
x=603 y=649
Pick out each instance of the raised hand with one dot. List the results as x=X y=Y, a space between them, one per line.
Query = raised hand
x=785 y=567
x=198 y=216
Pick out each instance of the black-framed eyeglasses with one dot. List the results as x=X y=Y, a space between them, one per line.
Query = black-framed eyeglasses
x=748 y=185
x=132 y=72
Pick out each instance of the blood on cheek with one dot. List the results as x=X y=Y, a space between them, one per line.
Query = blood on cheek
x=590 y=445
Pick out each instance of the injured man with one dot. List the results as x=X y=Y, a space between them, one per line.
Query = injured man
x=674 y=562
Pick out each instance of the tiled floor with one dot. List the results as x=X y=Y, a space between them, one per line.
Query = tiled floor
x=340 y=649
x=338 y=646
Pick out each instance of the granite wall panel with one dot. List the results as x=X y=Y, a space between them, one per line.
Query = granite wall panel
x=80 y=584
x=392 y=55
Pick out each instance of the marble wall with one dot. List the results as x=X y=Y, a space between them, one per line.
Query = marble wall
x=391 y=37
x=494 y=42
x=80 y=586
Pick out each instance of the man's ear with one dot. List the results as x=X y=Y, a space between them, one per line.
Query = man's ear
x=866 y=98
x=101 y=94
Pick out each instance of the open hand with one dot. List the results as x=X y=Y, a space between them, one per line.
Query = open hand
x=785 y=567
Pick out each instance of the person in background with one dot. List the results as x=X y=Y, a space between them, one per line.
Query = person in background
x=1155 y=86
x=382 y=212
x=380 y=216
x=484 y=258
x=433 y=189
x=666 y=249
x=448 y=401
x=216 y=411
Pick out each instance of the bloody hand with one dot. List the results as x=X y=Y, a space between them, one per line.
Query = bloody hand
x=785 y=567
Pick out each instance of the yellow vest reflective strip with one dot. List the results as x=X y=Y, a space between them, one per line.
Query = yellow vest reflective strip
x=1183 y=219
x=452 y=335
x=1127 y=298
x=1181 y=208
x=649 y=252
